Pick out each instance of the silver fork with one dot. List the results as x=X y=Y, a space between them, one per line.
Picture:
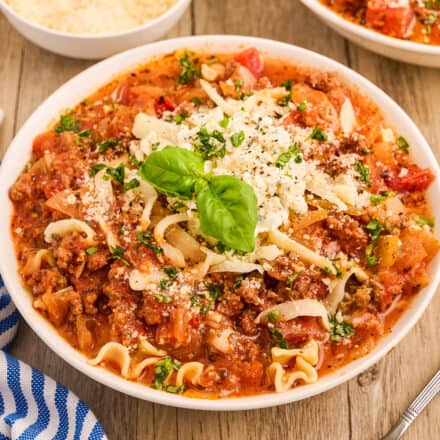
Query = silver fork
x=417 y=406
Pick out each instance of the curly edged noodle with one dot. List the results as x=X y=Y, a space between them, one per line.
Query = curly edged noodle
x=103 y=198
x=119 y=355
x=294 y=309
x=337 y=289
x=61 y=228
x=306 y=359
x=174 y=254
x=304 y=253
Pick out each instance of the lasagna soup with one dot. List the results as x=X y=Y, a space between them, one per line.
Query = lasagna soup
x=413 y=20
x=223 y=225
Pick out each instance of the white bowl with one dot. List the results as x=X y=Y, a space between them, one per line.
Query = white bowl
x=77 y=89
x=96 y=46
x=401 y=50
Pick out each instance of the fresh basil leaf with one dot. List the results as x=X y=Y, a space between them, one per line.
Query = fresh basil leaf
x=173 y=171
x=228 y=211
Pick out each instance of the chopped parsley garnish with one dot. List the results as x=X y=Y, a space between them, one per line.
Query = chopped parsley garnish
x=290 y=280
x=84 y=134
x=374 y=229
x=375 y=199
x=118 y=254
x=424 y=221
x=224 y=122
x=278 y=339
x=155 y=146
x=117 y=174
x=238 y=85
x=162 y=370
x=403 y=144
x=237 y=139
x=91 y=250
x=175 y=389
x=210 y=144
x=163 y=284
x=143 y=235
x=189 y=70
x=196 y=100
x=163 y=298
x=284 y=158
x=171 y=271
x=237 y=282
x=429 y=21
x=215 y=291
x=317 y=134
x=333 y=270
x=95 y=168
x=133 y=161
x=178 y=119
x=340 y=330
x=133 y=183
x=221 y=247
x=302 y=107
x=364 y=172
x=67 y=123
x=273 y=316
x=109 y=143
x=177 y=205
x=206 y=303
x=288 y=84
x=144 y=238
x=283 y=102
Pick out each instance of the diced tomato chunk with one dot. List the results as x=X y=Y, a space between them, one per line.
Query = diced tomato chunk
x=395 y=21
x=121 y=93
x=164 y=103
x=416 y=179
x=374 y=173
x=295 y=117
x=44 y=142
x=253 y=61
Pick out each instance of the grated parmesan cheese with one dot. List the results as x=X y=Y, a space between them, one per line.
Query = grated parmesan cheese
x=90 y=16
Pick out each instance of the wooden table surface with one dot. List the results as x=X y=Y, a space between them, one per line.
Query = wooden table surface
x=362 y=409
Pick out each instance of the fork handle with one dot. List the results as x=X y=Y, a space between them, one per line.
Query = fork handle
x=401 y=426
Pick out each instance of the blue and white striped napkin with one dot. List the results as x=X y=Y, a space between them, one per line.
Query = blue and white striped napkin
x=33 y=406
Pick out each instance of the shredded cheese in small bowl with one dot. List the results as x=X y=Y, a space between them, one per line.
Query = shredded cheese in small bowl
x=90 y=16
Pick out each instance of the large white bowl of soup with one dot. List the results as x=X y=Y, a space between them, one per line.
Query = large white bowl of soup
x=95 y=29
x=220 y=223
x=404 y=31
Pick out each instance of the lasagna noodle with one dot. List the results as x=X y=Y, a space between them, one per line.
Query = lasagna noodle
x=115 y=353
x=189 y=372
x=296 y=308
x=304 y=253
x=61 y=228
x=174 y=254
x=306 y=358
x=34 y=260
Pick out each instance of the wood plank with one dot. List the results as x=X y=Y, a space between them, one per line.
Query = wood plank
x=11 y=48
x=285 y=21
x=383 y=394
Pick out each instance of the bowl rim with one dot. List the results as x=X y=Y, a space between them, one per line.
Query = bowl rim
x=14 y=160
x=369 y=34
x=178 y=5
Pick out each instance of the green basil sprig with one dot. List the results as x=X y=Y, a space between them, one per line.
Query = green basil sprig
x=227 y=205
x=173 y=171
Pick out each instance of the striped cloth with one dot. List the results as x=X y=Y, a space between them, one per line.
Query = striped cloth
x=33 y=406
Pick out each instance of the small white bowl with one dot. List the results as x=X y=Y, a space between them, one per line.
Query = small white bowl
x=87 y=82
x=94 y=46
x=401 y=50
